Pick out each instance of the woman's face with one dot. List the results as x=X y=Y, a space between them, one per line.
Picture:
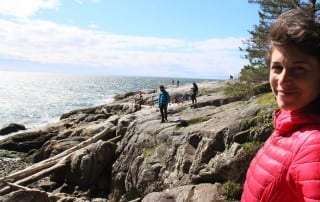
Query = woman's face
x=294 y=77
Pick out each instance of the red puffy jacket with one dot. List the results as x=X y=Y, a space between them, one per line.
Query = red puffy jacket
x=287 y=167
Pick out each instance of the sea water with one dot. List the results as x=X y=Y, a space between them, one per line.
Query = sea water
x=34 y=99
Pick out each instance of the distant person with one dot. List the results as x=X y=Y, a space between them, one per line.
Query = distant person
x=163 y=102
x=140 y=100
x=231 y=77
x=178 y=82
x=152 y=100
x=194 y=93
x=172 y=82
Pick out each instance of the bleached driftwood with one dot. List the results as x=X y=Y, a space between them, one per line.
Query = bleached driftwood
x=48 y=166
x=43 y=173
x=16 y=186
x=53 y=160
x=135 y=200
x=19 y=187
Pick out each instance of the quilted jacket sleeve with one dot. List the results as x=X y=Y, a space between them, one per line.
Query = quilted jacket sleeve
x=305 y=167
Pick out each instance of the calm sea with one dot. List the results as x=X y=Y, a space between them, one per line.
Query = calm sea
x=35 y=99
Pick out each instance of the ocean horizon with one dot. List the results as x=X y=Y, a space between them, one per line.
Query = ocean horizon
x=34 y=99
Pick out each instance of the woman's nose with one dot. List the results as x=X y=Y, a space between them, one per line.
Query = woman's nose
x=284 y=76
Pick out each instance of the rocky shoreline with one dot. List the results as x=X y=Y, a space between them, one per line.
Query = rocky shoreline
x=200 y=154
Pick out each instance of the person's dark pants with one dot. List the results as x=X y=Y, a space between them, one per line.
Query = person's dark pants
x=163 y=111
x=194 y=98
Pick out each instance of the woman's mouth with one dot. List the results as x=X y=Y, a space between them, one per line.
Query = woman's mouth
x=287 y=92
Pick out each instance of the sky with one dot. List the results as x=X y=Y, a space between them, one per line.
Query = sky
x=166 y=38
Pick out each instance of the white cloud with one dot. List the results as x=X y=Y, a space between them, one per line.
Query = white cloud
x=82 y=1
x=93 y=26
x=24 y=9
x=47 y=42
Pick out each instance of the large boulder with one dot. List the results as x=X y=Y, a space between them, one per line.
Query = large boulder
x=26 y=141
x=90 y=169
x=207 y=149
x=190 y=193
x=26 y=196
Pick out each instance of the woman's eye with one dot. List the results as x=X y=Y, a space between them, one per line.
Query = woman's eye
x=298 y=70
x=276 y=68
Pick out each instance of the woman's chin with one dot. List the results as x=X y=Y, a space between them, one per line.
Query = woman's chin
x=288 y=106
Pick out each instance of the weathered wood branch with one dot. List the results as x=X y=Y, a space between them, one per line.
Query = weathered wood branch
x=53 y=160
x=136 y=200
x=16 y=186
x=48 y=166
x=43 y=173
x=19 y=187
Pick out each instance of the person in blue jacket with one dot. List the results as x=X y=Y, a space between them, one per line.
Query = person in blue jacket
x=163 y=102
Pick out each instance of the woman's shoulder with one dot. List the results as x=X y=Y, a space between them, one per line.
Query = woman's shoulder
x=306 y=157
x=308 y=143
x=307 y=134
x=311 y=134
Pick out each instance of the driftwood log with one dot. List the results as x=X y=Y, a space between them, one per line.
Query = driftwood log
x=19 y=187
x=46 y=167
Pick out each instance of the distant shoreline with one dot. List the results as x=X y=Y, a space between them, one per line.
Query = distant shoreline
x=35 y=100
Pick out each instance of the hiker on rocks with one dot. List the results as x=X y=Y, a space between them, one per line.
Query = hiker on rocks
x=152 y=100
x=163 y=102
x=178 y=82
x=287 y=167
x=194 y=93
x=140 y=100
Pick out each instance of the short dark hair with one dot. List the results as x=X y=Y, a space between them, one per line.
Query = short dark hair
x=298 y=27
x=161 y=86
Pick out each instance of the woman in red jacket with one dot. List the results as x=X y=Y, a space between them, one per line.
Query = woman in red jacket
x=287 y=167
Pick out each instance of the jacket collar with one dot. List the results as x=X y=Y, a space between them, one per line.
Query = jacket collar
x=288 y=121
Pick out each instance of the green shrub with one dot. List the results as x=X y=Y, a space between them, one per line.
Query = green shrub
x=206 y=91
x=267 y=99
x=248 y=80
x=237 y=90
x=232 y=190
x=251 y=148
x=254 y=75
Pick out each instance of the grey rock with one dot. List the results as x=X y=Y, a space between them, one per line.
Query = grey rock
x=11 y=128
x=26 y=196
x=191 y=193
x=188 y=158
